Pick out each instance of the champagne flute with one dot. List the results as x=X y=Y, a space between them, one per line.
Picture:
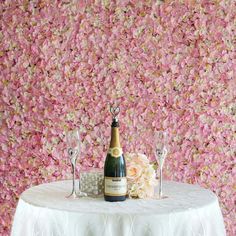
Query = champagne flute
x=160 y=140
x=74 y=148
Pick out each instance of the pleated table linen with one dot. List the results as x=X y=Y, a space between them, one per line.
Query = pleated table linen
x=189 y=210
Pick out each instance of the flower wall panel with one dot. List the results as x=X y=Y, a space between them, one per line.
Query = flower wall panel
x=169 y=65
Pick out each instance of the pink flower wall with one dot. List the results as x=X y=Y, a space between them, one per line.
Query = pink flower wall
x=170 y=66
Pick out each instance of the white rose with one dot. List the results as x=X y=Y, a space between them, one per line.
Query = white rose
x=134 y=172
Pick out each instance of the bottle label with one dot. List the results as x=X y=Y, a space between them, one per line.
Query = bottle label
x=115 y=151
x=115 y=186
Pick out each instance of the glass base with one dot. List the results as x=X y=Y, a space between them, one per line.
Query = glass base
x=158 y=197
x=75 y=195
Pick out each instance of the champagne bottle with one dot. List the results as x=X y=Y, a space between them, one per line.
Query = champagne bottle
x=115 y=167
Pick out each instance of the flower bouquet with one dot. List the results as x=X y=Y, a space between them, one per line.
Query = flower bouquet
x=141 y=176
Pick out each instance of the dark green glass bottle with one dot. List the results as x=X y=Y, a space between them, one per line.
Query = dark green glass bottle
x=115 y=168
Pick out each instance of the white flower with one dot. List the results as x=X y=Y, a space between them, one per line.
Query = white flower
x=140 y=175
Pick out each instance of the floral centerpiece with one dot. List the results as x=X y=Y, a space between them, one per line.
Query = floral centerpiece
x=141 y=176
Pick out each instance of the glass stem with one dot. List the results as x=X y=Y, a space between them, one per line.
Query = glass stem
x=79 y=182
x=160 y=183
x=73 y=182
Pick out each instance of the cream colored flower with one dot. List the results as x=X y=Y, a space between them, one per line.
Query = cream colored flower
x=134 y=171
x=141 y=176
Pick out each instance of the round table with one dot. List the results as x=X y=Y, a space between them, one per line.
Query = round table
x=43 y=210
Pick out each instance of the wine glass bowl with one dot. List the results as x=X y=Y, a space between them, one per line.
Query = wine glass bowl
x=73 y=150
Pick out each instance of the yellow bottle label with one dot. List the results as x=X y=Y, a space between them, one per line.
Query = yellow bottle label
x=115 y=151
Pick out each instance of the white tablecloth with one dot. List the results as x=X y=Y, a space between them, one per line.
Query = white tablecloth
x=189 y=210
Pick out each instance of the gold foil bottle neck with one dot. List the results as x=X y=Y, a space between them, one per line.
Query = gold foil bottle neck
x=115 y=137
